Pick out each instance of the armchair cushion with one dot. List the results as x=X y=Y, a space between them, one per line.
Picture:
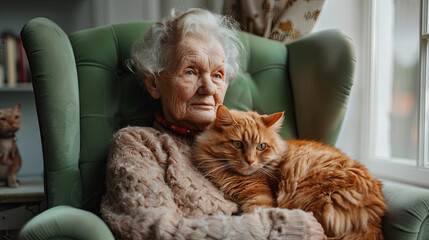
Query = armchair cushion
x=407 y=215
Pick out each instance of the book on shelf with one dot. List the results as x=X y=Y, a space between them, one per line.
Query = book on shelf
x=13 y=61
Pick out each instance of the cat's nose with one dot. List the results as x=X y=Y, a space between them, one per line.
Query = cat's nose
x=249 y=160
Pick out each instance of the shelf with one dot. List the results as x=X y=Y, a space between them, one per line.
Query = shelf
x=20 y=87
x=29 y=190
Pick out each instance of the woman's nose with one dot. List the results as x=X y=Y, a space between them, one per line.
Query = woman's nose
x=207 y=87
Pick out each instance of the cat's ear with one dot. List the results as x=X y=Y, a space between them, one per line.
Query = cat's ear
x=274 y=120
x=17 y=107
x=224 y=117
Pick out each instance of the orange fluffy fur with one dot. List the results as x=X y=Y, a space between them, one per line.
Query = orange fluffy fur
x=243 y=154
x=10 y=159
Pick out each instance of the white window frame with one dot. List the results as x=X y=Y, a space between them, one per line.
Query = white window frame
x=394 y=169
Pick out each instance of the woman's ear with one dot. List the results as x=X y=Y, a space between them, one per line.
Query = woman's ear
x=152 y=86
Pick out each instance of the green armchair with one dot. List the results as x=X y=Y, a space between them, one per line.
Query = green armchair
x=85 y=93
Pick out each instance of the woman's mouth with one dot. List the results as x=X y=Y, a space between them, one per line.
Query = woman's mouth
x=208 y=106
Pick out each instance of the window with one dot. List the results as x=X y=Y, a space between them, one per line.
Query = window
x=397 y=143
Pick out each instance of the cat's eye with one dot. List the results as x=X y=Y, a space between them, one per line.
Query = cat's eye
x=16 y=117
x=3 y=119
x=261 y=146
x=237 y=144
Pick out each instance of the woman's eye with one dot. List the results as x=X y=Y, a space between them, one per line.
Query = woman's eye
x=218 y=76
x=237 y=144
x=261 y=146
x=190 y=72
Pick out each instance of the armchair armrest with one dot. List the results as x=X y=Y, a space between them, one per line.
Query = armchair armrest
x=321 y=67
x=407 y=216
x=65 y=222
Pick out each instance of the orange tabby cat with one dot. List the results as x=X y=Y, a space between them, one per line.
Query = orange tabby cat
x=243 y=155
x=10 y=160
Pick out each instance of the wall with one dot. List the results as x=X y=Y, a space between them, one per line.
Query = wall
x=70 y=15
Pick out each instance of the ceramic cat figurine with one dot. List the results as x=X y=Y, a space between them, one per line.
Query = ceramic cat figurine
x=10 y=160
x=243 y=155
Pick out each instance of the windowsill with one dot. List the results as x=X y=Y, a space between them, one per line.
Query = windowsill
x=394 y=172
x=394 y=183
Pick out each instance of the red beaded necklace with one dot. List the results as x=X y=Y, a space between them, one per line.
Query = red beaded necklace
x=181 y=130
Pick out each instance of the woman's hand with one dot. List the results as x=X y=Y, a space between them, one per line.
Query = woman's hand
x=313 y=227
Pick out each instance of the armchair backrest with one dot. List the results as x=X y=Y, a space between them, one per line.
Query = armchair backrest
x=110 y=97
x=85 y=93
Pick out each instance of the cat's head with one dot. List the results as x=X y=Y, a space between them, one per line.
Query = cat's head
x=10 y=119
x=243 y=142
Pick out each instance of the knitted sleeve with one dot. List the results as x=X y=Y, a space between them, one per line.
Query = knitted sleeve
x=139 y=203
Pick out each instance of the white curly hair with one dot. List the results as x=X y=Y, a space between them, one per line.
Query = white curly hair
x=152 y=52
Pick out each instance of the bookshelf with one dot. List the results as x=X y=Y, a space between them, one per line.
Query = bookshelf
x=25 y=202
x=18 y=88
x=70 y=15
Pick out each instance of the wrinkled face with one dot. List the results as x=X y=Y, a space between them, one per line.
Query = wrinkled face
x=194 y=83
x=10 y=119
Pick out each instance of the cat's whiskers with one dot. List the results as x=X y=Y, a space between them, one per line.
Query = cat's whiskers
x=212 y=160
x=266 y=172
x=223 y=167
x=270 y=168
x=206 y=162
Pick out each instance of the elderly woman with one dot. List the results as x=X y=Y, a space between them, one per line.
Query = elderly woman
x=153 y=190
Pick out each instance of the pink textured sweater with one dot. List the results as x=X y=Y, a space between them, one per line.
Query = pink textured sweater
x=155 y=192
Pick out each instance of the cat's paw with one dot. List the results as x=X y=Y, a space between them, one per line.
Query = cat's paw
x=13 y=183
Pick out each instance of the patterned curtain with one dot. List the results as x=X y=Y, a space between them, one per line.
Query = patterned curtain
x=281 y=20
